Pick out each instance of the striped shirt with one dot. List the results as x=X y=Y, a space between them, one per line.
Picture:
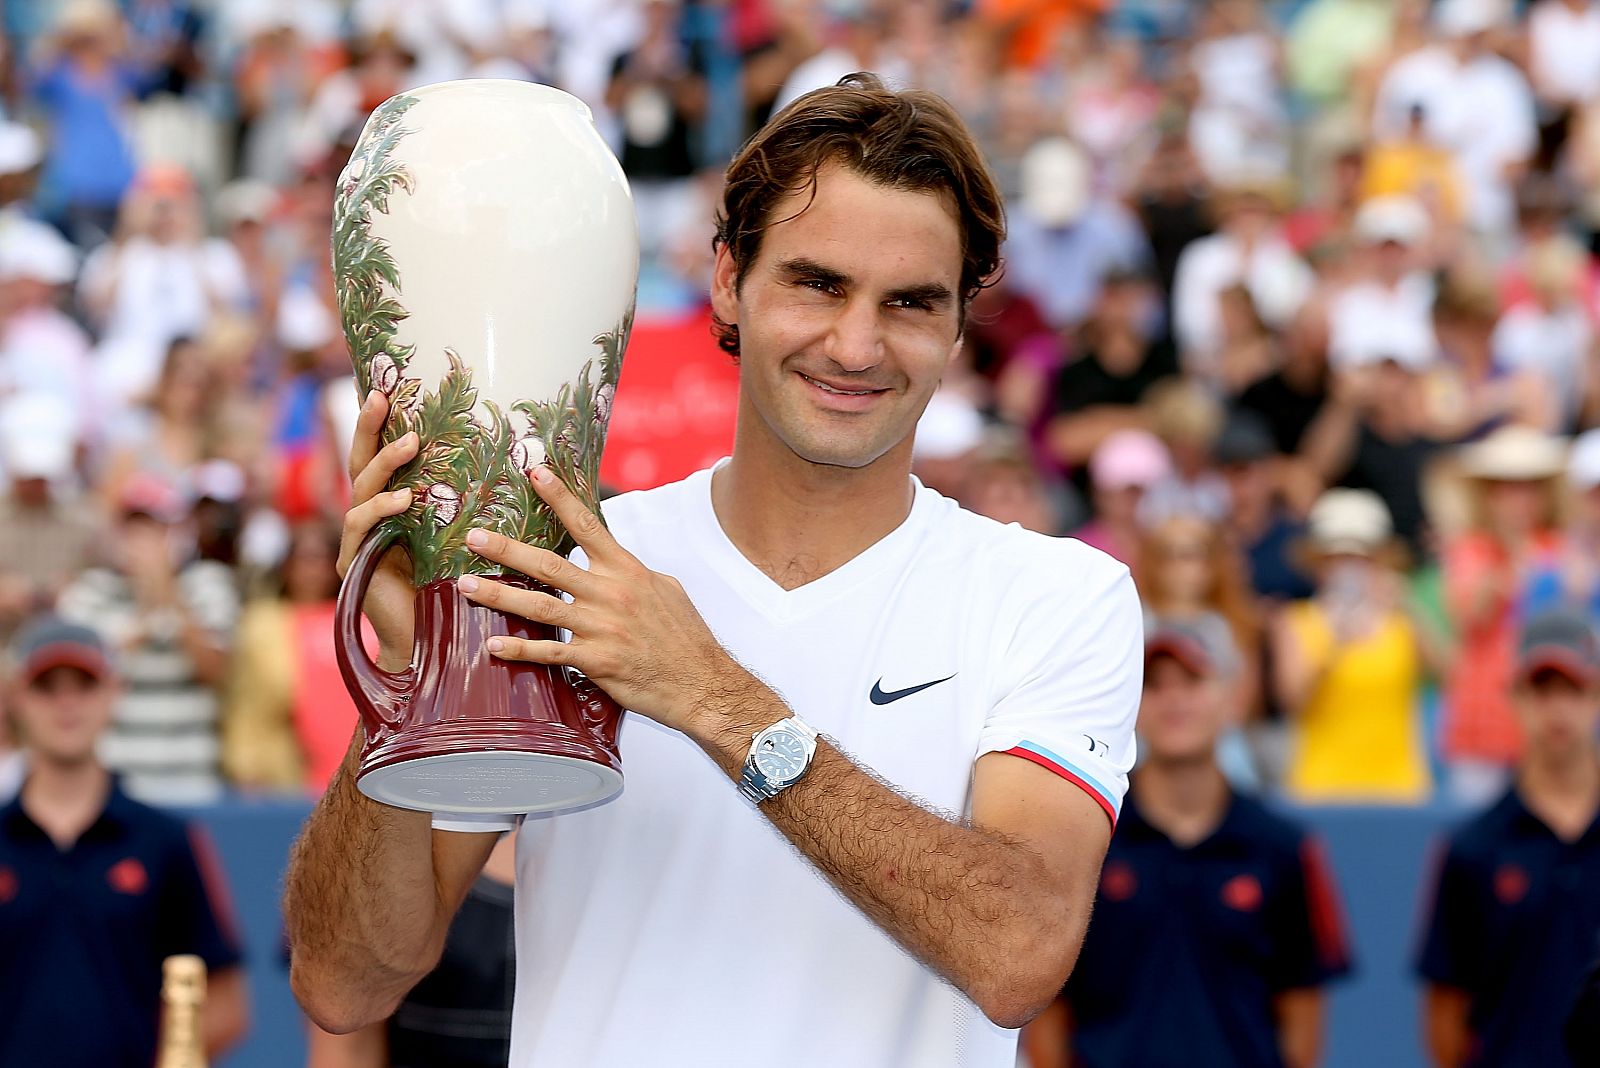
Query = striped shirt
x=163 y=742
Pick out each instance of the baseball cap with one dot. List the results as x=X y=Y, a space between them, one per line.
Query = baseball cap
x=33 y=250
x=50 y=642
x=1463 y=18
x=1401 y=219
x=19 y=148
x=1350 y=521
x=1203 y=645
x=148 y=495
x=1559 y=640
x=1515 y=454
x=1129 y=458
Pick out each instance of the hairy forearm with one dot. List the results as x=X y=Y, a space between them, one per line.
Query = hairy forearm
x=361 y=906
x=974 y=906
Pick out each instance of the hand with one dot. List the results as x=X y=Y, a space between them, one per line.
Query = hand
x=390 y=603
x=634 y=631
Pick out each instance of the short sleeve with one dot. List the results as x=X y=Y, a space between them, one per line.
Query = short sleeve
x=1072 y=670
x=1452 y=926
x=1309 y=931
x=198 y=913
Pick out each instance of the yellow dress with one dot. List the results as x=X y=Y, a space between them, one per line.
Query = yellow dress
x=1358 y=740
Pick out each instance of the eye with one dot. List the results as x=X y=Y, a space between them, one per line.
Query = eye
x=820 y=285
x=911 y=304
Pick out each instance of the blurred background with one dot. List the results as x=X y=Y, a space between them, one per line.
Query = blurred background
x=1259 y=249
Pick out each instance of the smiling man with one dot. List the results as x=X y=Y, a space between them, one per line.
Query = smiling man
x=876 y=744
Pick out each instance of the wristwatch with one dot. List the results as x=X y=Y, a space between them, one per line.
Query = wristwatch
x=779 y=756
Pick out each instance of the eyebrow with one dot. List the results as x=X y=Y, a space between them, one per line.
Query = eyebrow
x=933 y=294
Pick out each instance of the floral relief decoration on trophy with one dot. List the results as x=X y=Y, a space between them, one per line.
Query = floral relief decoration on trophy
x=472 y=470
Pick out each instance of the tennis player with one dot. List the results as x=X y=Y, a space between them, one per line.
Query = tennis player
x=877 y=744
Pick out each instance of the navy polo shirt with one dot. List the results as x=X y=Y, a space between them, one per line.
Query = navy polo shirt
x=83 y=932
x=1514 y=919
x=1187 y=947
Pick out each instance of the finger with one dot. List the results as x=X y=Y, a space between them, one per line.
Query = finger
x=376 y=474
x=363 y=517
x=550 y=568
x=557 y=654
x=369 y=431
x=529 y=604
x=584 y=526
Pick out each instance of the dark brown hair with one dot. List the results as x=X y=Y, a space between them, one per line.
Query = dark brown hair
x=911 y=140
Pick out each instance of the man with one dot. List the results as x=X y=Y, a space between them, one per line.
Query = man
x=171 y=621
x=990 y=672
x=1516 y=907
x=96 y=890
x=1217 y=921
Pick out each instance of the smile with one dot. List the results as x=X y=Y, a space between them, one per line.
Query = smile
x=840 y=392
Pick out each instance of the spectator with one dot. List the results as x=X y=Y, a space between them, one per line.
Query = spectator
x=1512 y=533
x=1216 y=924
x=1117 y=361
x=1470 y=394
x=1552 y=335
x=1258 y=524
x=1249 y=249
x=1122 y=469
x=1188 y=420
x=1187 y=569
x=1063 y=243
x=288 y=719
x=1564 y=53
x=1573 y=577
x=83 y=85
x=171 y=621
x=1415 y=166
x=1388 y=308
x=172 y=435
x=47 y=534
x=1511 y=928
x=95 y=888
x=1329 y=42
x=1238 y=122
x=1347 y=664
x=43 y=352
x=161 y=277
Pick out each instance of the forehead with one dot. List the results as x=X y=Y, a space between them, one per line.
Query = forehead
x=875 y=232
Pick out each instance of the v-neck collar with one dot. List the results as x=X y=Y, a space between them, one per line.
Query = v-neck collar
x=758 y=588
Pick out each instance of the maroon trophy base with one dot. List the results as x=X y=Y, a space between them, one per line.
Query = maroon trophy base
x=460 y=731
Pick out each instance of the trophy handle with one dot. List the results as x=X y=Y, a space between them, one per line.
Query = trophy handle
x=380 y=695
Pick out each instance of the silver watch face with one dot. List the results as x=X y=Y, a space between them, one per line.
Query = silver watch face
x=781 y=757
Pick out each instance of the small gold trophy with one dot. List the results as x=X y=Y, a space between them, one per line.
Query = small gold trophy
x=183 y=998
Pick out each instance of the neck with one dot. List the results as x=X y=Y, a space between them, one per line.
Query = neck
x=796 y=520
x=1185 y=799
x=64 y=798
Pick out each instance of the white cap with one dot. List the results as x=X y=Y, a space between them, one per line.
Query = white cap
x=1515 y=454
x=1583 y=463
x=19 y=148
x=1463 y=18
x=1055 y=181
x=1354 y=521
x=37 y=437
x=1398 y=218
x=246 y=200
x=304 y=322
x=1406 y=340
x=33 y=250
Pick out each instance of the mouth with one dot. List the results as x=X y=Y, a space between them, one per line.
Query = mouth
x=841 y=397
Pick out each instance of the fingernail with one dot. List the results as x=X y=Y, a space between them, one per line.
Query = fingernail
x=477 y=538
x=402 y=495
x=467 y=584
x=496 y=645
x=371 y=401
x=540 y=473
x=410 y=440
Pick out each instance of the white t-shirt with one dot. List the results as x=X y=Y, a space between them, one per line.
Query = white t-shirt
x=1564 y=49
x=675 y=926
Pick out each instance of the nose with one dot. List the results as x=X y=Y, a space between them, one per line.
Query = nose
x=855 y=343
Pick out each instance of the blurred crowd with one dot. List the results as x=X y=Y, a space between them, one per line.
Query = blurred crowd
x=1298 y=319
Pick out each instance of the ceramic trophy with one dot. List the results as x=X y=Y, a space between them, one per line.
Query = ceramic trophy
x=485 y=255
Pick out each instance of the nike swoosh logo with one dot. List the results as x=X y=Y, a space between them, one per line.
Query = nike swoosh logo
x=879 y=697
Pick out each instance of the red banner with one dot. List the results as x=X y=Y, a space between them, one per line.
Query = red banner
x=675 y=406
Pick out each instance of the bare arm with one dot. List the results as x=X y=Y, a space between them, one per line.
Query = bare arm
x=369 y=897
x=1300 y=1014
x=1444 y=1024
x=998 y=905
x=1294 y=674
x=226 y=1015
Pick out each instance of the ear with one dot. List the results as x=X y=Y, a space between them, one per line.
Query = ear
x=725 y=287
